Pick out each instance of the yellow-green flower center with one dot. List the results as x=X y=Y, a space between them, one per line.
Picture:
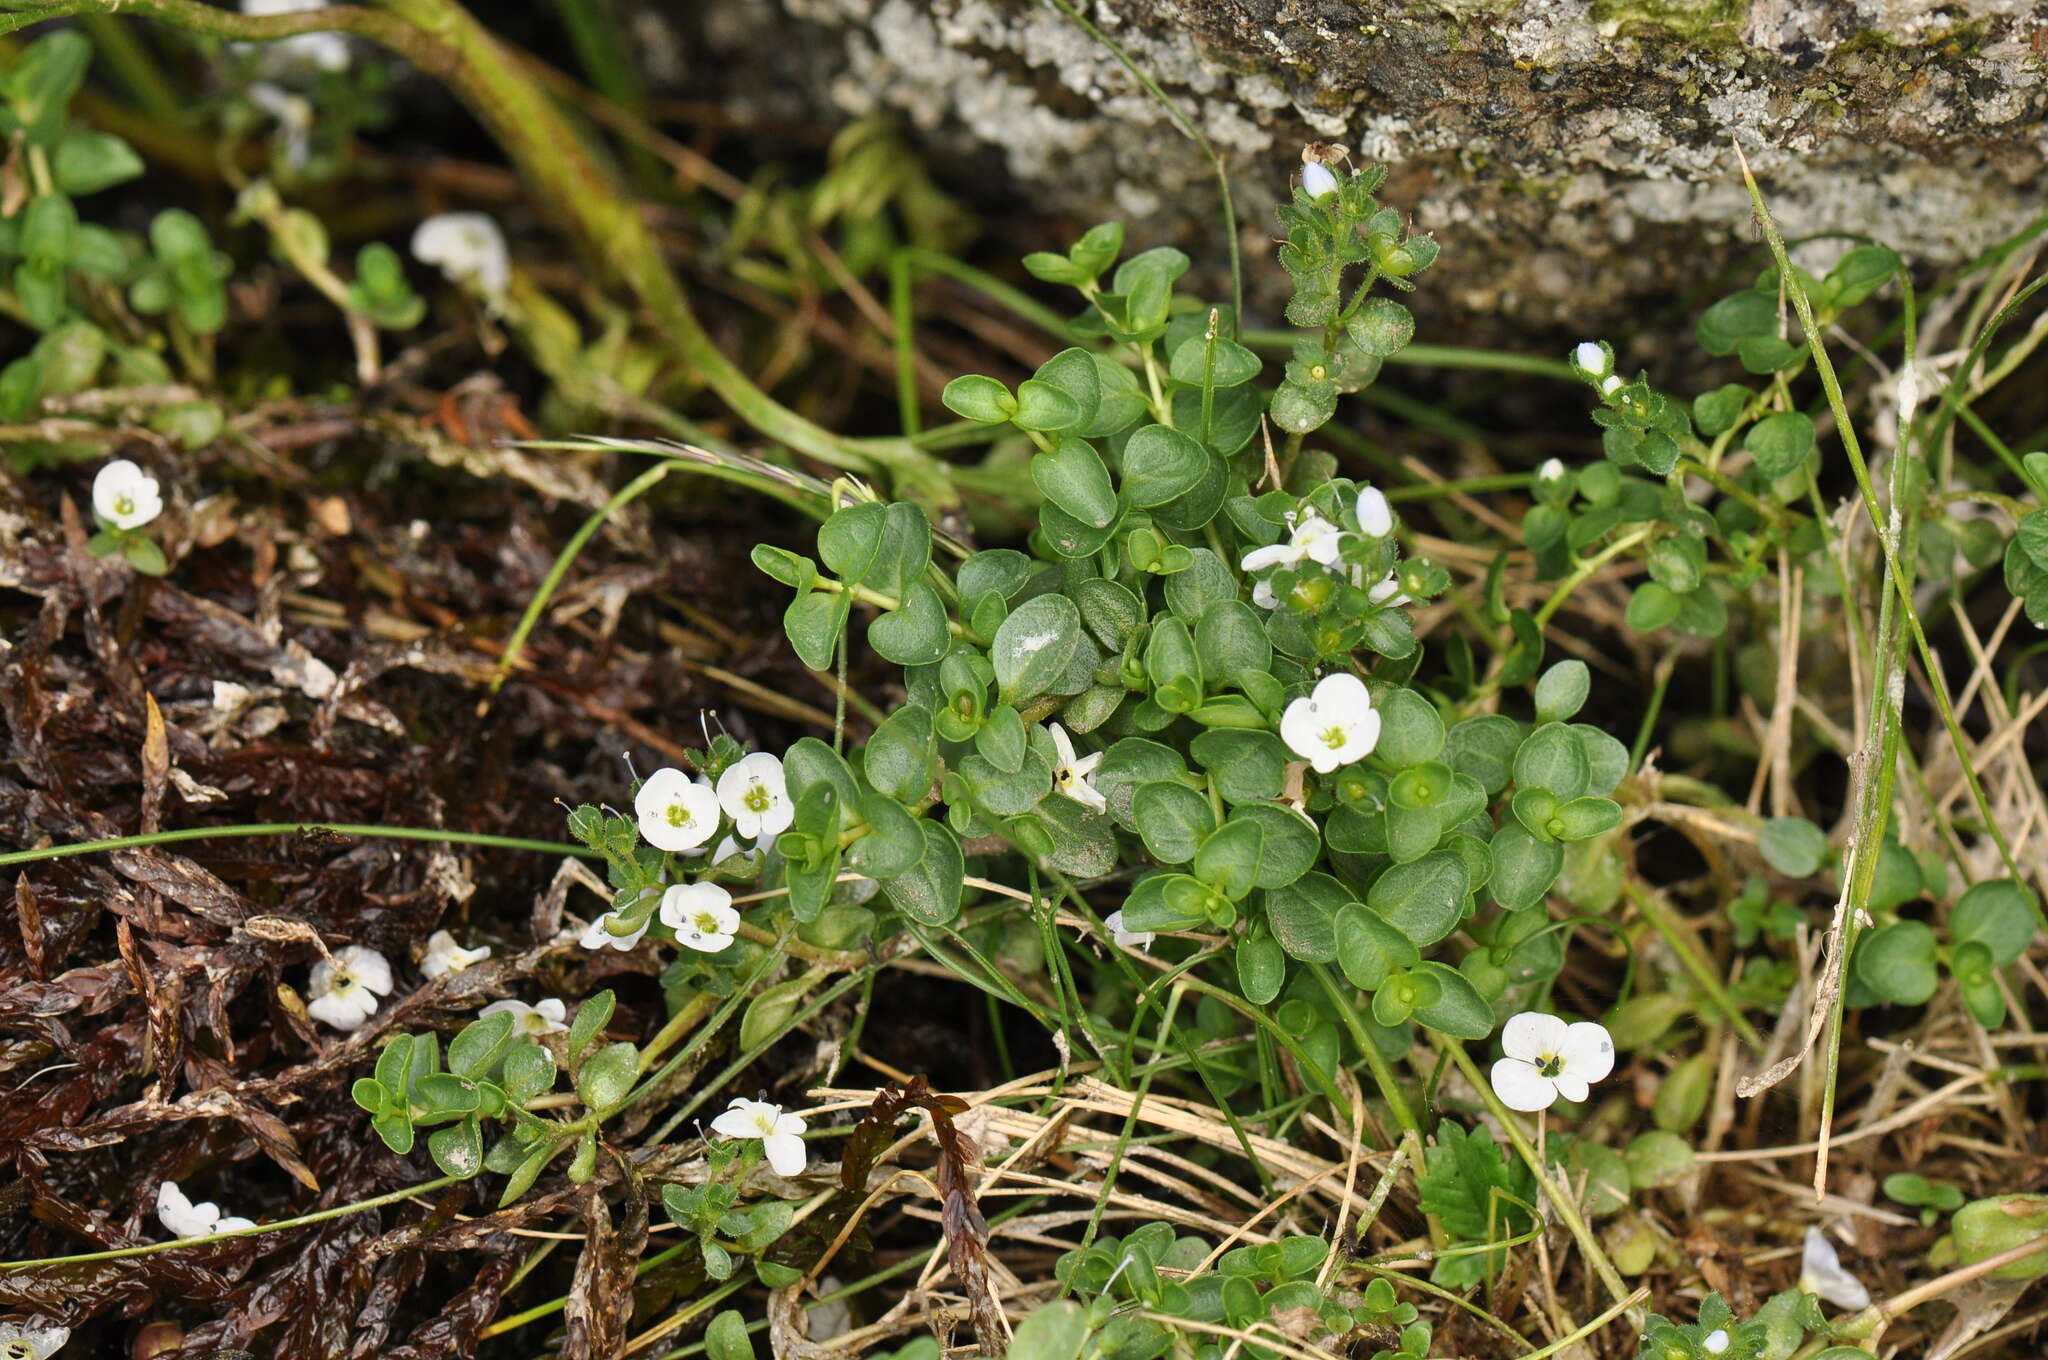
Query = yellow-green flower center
x=757 y=798
x=1333 y=737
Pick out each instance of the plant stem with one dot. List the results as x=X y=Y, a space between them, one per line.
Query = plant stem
x=318 y=1216
x=1678 y=934
x=1567 y=1210
x=208 y=833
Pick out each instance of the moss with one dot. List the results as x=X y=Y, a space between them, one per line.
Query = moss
x=1709 y=23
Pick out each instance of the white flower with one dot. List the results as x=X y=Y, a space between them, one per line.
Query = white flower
x=1317 y=179
x=1610 y=384
x=125 y=496
x=31 y=1343
x=1546 y=1058
x=676 y=812
x=1387 y=590
x=1716 y=1341
x=1070 y=776
x=1821 y=1272
x=322 y=51
x=468 y=247
x=754 y=794
x=1128 y=939
x=549 y=1017
x=294 y=115
x=181 y=1217
x=1332 y=725
x=1591 y=359
x=444 y=956
x=1375 y=516
x=1312 y=537
x=781 y=1135
x=1551 y=471
x=701 y=915
x=346 y=995
x=597 y=936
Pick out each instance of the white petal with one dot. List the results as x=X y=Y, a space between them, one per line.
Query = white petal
x=1061 y=743
x=1821 y=1272
x=1343 y=695
x=1263 y=596
x=1715 y=1342
x=1272 y=555
x=1317 y=180
x=1591 y=358
x=1084 y=793
x=44 y=1342
x=790 y=1124
x=1532 y=1036
x=371 y=969
x=1551 y=471
x=785 y=1153
x=1301 y=728
x=776 y=820
x=228 y=1225
x=1375 y=515
x=1588 y=1051
x=1571 y=1088
x=1609 y=385
x=345 y=1011
x=1521 y=1087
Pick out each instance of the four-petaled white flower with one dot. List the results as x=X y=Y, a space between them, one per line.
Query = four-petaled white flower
x=1821 y=1272
x=1375 y=516
x=19 y=1342
x=1070 y=775
x=468 y=247
x=753 y=793
x=1311 y=537
x=1318 y=179
x=125 y=496
x=1332 y=725
x=1547 y=1058
x=548 y=1017
x=444 y=956
x=676 y=812
x=781 y=1135
x=701 y=914
x=183 y=1218
x=1715 y=1342
x=1128 y=939
x=1591 y=359
x=1551 y=471
x=345 y=992
x=321 y=51
x=597 y=934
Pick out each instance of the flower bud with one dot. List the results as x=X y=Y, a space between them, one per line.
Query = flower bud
x=1591 y=359
x=1551 y=471
x=1317 y=179
x=1609 y=385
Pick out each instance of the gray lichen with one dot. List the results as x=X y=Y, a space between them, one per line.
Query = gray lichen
x=1573 y=154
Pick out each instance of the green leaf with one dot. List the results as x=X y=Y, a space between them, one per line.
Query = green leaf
x=1781 y=442
x=974 y=397
x=458 y=1149
x=529 y=1072
x=1717 y=411
x=1228 y=858
x=1478 y=1195
x=1986 y=1228
x=1484 y=748
x=1382 y=327
x=1411 y=730
x=1202 y=362
x=591 y=1018
x=1583 y=818
x=1562 y=691
x=1230 y=639
x=48 y=225
x=1368 y=949
x=473 y=1052
x=1042 y=406
x=1459 y=1010
x=1072 y=476
x=1160 y=464
x=1053 y=1331
x=915 y=633
x=1303 y=916
x=1860 y=273
x=1523 y=868
x=901 y=758
x=1172 y=818
x=1793 y=846
x=1999 y=914
x=608 y=1075
x=1291 y=846
x=44 y=79
x=1303 y=410
x=144 y=555
x=87 y=162
x=1552 y=758
x=1245 y=766
x=726 y=1338
x=1898 y=962
x=930 y=893
x=1425 y=899
x=1261 y=970
x=1732 y=320
x=1127 y=766
x=1034 y=645
x=814 y=624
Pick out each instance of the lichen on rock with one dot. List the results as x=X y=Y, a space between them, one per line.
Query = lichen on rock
x=1575 y=154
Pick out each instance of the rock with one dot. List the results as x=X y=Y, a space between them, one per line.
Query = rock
x=1573 y=156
